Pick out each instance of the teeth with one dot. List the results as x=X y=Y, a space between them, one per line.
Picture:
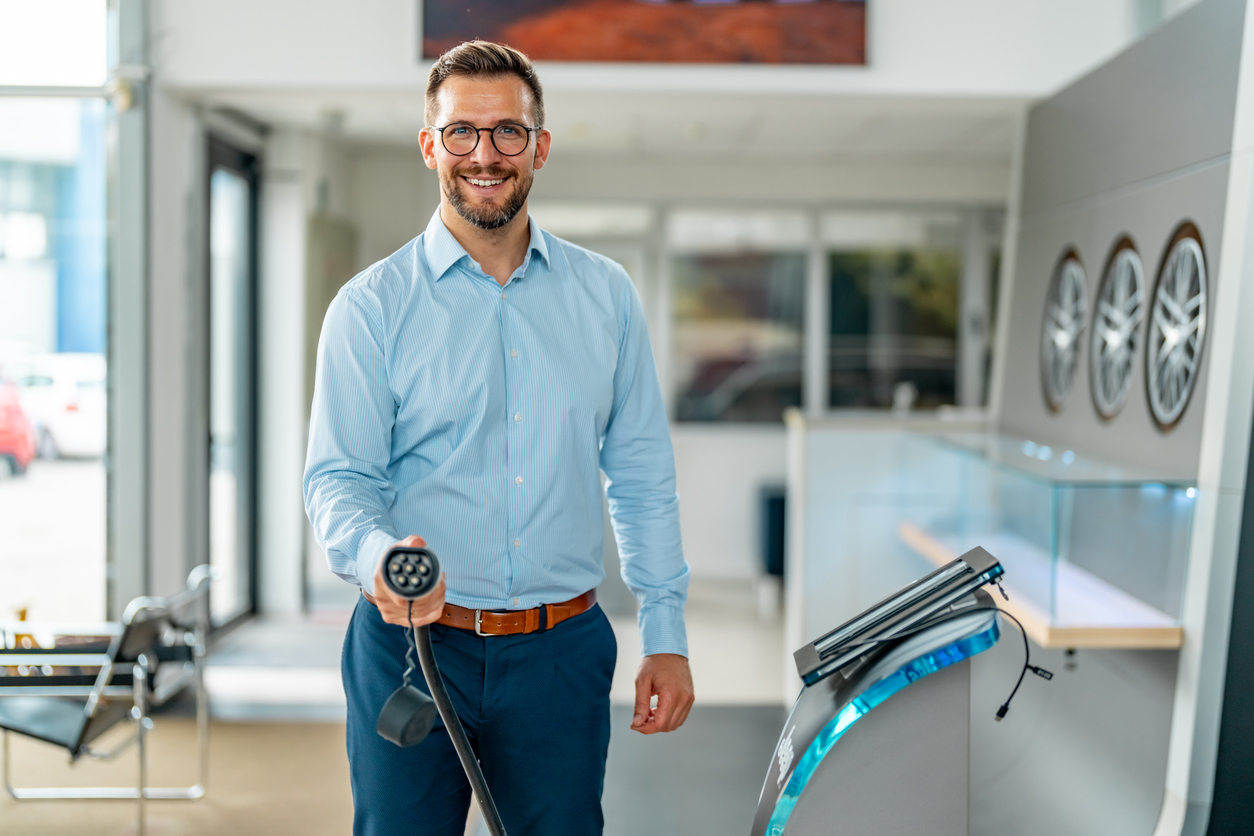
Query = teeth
x=485 y=182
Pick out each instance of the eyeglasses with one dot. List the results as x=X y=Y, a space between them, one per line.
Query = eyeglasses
x=461 y=138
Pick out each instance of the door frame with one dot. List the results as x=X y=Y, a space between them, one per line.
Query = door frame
x=222 y=154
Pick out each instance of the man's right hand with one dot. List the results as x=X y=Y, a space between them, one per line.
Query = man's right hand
x=394 y=608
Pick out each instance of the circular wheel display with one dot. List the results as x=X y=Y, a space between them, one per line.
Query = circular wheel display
x=1060 y=336
x=1177 y=330
x=1117 y=316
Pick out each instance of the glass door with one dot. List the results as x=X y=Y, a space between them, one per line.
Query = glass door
x=232 y=379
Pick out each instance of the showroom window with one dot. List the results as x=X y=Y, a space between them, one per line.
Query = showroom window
x=53 y=313
x=908 y=299
x=895 y=284
x=738 y=286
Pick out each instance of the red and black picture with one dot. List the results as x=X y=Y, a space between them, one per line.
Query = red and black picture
x=679 y=31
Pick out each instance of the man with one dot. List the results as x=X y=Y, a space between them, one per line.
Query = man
x=470 y=390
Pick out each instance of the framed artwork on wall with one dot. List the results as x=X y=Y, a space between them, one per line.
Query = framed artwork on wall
x=656 y=31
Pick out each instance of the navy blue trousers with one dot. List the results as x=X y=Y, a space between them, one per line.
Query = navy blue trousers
x=536 y=708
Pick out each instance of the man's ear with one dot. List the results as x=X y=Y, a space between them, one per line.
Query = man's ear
x=426 y=141
x=544 y=141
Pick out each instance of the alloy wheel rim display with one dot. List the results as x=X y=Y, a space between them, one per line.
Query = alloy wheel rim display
x=1117 y=317
x=1065 y=309
x=1177 y=331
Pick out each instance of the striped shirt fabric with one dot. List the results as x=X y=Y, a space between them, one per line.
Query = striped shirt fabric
x=481 y=417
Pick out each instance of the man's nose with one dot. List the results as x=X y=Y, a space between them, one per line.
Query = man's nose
x=485 y=152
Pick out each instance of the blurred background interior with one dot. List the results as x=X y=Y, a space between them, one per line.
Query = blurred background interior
x=185 y=186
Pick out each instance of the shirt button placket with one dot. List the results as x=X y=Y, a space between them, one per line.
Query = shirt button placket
x=513 y=441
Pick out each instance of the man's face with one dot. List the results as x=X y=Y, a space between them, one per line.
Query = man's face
x=485 y=187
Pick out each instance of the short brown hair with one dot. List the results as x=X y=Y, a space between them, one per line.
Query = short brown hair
x=484 y=59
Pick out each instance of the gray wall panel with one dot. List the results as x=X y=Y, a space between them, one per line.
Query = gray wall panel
x=1149 y=214
x=1163 y=104
x=1083 y=754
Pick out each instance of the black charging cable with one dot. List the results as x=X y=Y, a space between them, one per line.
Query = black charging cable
x=420 y=637
x=1027 y=664
x=950 y=616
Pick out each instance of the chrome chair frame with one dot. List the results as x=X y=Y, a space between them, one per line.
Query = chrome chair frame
x=191 y=633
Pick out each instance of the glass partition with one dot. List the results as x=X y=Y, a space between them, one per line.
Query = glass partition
x=1095 y=554
x=1082 y=541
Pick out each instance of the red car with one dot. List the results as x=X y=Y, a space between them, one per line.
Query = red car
x=17 y=436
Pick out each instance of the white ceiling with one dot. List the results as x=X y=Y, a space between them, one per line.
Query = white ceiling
x=792 y=127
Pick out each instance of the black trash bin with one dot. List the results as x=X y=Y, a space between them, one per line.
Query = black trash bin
x=772 y=517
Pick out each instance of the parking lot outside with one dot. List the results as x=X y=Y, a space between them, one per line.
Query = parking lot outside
x=52 y=541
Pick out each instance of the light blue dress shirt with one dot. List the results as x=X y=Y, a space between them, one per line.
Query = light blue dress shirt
x=480 y=418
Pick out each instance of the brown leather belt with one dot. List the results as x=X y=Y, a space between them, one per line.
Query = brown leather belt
x=514 y=622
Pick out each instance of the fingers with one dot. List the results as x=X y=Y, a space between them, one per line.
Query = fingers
x=682 y=714
x=644 y=695
x=426 y=610
x=673 y=705
x=668 y=678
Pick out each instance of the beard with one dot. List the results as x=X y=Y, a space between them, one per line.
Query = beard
x=489 y=215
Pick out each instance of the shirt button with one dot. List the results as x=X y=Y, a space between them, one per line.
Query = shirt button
x=504 y=295
x=513 y=353
x=517 y=417
x=517 y=480
x=515 y=602
x=517 y=543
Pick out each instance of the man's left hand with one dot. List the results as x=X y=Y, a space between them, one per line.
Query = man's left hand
x=666 y=676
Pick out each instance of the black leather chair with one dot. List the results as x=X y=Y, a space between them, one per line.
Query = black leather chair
x=156 y=652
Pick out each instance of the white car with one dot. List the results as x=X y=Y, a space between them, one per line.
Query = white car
x=64 y=397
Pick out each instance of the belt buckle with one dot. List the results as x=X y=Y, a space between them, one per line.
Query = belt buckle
x=478 y=624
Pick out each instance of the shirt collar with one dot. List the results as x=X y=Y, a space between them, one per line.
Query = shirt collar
x=443 y=251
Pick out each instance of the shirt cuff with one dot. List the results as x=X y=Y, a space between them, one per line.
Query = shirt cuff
x=662 y=630
x=371 y=552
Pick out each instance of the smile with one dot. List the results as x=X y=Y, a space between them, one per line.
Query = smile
x=475 y=182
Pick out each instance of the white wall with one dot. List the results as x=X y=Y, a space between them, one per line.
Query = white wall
x=302 y=174
x=173 y=248
x=392 y=196
x=955 y=48
x=717 y=182
x=719 y=470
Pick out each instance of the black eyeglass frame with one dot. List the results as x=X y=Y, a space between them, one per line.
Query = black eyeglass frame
x=491 y=135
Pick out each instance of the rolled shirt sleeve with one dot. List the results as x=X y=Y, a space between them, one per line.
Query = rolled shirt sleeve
x=347 y=488
x=638 y=461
